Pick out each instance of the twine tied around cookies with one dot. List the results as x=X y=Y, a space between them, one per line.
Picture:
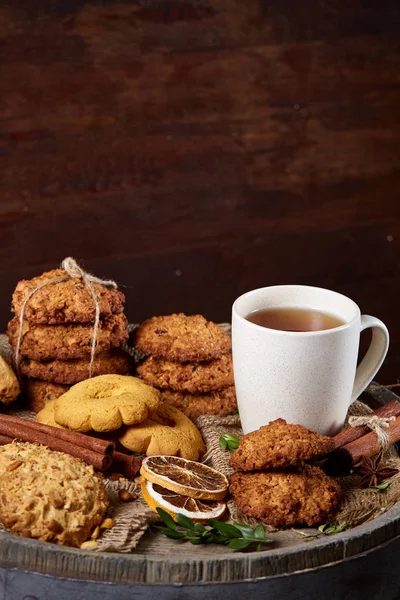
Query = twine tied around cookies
x=73 y=271
x=376 y=424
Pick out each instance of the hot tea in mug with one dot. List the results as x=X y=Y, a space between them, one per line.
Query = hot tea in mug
x=294 y=319
x=295 y=353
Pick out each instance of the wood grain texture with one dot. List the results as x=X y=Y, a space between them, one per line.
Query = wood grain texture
x=178 y=564
x=195 y=149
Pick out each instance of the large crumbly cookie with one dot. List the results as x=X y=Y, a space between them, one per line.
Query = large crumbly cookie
x=221 y=402
x=277 y=445
x=62 y=342
x=105 y=403
x=72 y=371
x=192 y=377
x=166 y=432
x=65 y=302
x=40 y=392
x=181 y=338
x=282 y=499
x=48 y=495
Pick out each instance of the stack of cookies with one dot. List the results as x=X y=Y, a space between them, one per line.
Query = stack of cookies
x=57 y=334
x=189 y=360
x=272 y=482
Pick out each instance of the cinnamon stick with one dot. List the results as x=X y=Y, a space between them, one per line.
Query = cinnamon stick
x=21 y=429
x=84 y=441
x=342 y=459
x=126 y=464
x=392 y=409
x=368 y=445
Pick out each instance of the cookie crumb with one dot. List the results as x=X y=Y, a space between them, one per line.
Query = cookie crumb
x=126 y=496
x=107 y=524
x=89 y=545
x=96 y=533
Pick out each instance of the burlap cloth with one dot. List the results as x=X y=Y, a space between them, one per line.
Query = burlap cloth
x=132 y=519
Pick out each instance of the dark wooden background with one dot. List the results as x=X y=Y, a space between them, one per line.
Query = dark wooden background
x=195 y=149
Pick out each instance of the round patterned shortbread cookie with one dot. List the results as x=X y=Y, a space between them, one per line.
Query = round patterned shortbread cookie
x=167 y=432
x=46 y=415
x=105 y=403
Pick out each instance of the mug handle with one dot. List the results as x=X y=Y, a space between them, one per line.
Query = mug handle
x=374 y=357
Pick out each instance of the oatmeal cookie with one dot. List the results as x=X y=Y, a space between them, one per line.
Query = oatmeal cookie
x=72 y=371
x=305 y=496
x=39 y=392
x=61 y=342
x=277 y=445
x=166 y=432
x=192 y=377
x=105 y=403
x=181 y=338
x=48 y=495
x=65 y=302
x=221 y=402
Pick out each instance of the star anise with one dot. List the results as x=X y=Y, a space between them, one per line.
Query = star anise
x=373 y=471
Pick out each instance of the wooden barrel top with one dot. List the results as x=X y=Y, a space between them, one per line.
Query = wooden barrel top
x=197 y=567
x=174 y=562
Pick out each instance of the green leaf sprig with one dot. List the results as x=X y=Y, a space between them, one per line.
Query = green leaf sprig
x=381 y=486
x=328 y=530
x=228 y=441
x=236 y=537
x=324 y=530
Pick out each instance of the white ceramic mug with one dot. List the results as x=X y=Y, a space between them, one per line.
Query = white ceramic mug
x=308 y=377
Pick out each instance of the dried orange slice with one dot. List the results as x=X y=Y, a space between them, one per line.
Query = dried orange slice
x=198 y=510
x=185 y=477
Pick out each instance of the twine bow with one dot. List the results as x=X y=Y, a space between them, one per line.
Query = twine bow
x=73 y=271
x=376 y=424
